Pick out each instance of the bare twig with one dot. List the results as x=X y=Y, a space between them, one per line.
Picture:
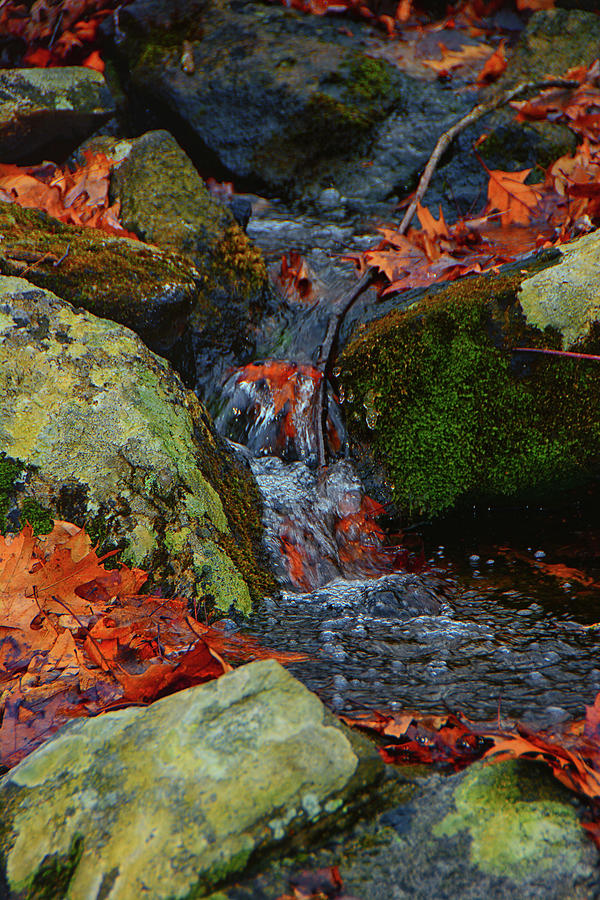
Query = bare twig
x=476 y=113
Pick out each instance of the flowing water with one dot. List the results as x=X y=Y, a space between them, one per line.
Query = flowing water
x=485 y=615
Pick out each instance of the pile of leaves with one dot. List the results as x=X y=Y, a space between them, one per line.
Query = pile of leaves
x=78 y=197
x=77 y=639
x=573 y=754
x=518 y=217
x=56 y=32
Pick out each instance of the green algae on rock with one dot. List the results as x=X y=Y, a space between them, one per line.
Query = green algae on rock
x=451 y=414
x=41 y=106
x=150 y=290
x=105 y=435
x=238 y=766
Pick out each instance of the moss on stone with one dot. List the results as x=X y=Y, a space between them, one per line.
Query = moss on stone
x=10 y=471
x=37 y=516
x=53 y=876
x=450 y=413
x=368 y=79
x=519 y=820
x=113 y=278
x=239 y=264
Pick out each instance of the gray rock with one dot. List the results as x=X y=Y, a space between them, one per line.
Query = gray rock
x=41 y=106
x=279 y=98
x=97 y=430
x=503 y=831
x=172 y=800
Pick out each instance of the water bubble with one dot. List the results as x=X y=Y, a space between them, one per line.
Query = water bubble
x=337 y=371
x=371 y=419
x=339 y=682
x=474 y=559
x=539 y=554
x=350 y=396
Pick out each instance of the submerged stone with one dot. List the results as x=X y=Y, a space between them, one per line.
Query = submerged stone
x=97 y=430
x=237 y=766
x=41 y=106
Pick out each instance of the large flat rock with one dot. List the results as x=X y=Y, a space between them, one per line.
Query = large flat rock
x=168 y=801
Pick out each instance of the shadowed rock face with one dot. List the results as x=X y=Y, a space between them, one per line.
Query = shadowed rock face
x=41 y=106
x=104 y=434
x=235 y=765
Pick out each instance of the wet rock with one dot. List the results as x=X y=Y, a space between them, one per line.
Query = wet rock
x=283 y=99
x=164 y=201
x=151 y=291
x=239 y=765
x=394 y=597
x=455 y=415
x=506 y=830
x=99 y=431
x=39 y=107
x=402 y=595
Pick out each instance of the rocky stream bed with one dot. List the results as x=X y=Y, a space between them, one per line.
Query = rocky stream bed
x=437 y=566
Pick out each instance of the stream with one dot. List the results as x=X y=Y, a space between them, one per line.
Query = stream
x=483 y=614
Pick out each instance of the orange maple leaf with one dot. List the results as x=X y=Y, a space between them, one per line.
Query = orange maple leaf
x=514 y=199
x=494 y=67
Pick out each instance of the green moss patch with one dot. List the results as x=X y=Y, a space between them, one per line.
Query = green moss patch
x=451 y=414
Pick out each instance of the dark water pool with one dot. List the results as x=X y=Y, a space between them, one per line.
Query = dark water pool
x=510 y=634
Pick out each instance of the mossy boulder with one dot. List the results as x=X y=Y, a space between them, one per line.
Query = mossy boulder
x=150 y=290
x=41 y=107
x=164 y=201
x=97 y=430
x=173 y=800
x=274 y=95
x=451 y=414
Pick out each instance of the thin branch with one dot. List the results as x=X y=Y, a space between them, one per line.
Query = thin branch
x=476 y=113
x=343 y=305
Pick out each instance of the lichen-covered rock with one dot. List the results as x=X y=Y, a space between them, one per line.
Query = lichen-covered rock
x=451 y=414
x=164 y=200
x=97 y=430
x=503 y=831
x=229 y=769
x=150 y=290
x=40 y=106
x=566 y=296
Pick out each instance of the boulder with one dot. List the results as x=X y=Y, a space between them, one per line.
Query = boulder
x=502 y=831
x=99 y=431
x=151 y=291
x=442 y=400
x=42 y=107
x=177 y=798
x=164 y=201
x=277 y=97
